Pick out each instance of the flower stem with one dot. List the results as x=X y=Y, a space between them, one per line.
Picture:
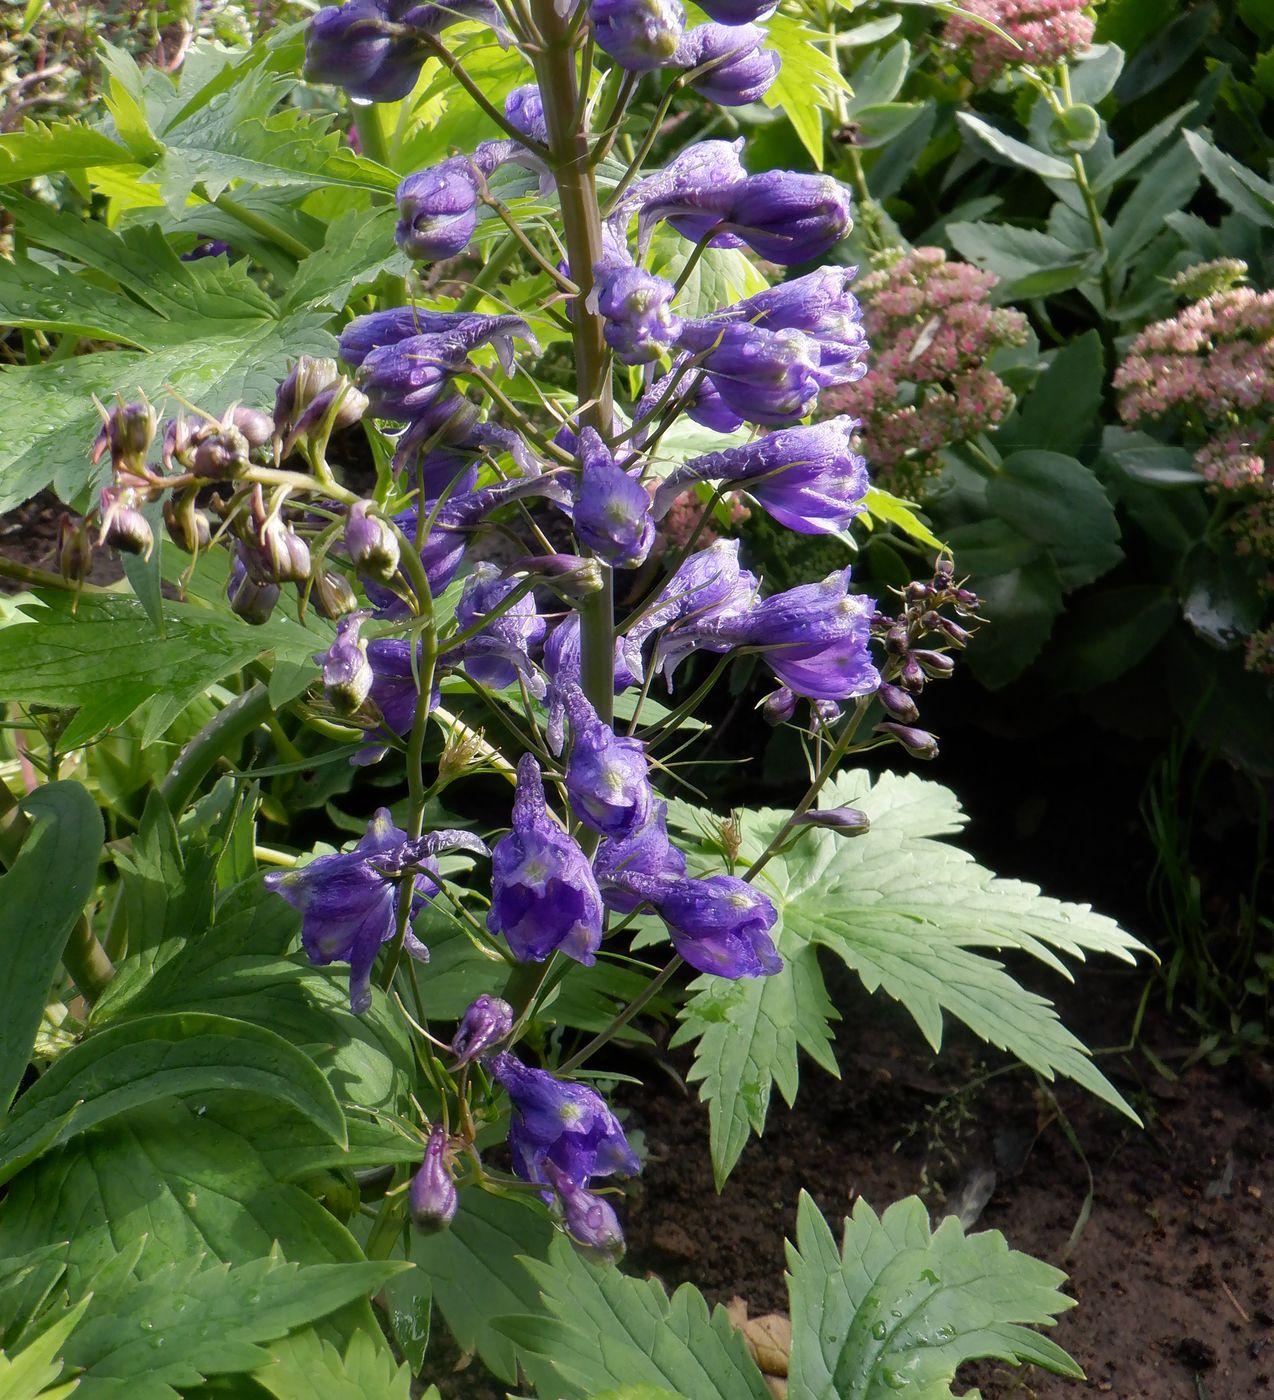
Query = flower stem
x=622 y=1017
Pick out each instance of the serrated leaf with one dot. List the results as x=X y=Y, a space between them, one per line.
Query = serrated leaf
x=359 y=246
x=1241 y=188
x=911 y=915
x=721 y=277
x=46 y=148
x=305 y=1367
x=900 y=1308
x=137 y=1062
x=473 y=1268
x=31 y=1373
x=881 y=505
x=186 y=1322
x=37 y=913
x=807 y=81
x=604 y=1330
x=106 y=658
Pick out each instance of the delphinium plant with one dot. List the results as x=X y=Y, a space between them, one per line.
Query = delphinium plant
x=420 y=1080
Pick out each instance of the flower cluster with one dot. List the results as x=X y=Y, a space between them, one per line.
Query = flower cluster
x=1040 y=32
x=933 y=331
x=1208 y=372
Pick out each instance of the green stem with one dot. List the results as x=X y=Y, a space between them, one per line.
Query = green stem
x=371 y=138
x=85 y=960
x=621 y=1017
x=259 y=223
x=486 y=277
x=226 y=729
x=41 y=578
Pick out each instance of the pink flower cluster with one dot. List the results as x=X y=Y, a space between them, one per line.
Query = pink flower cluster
x=932 y=329
x=1211 y=369
x=1045 y=32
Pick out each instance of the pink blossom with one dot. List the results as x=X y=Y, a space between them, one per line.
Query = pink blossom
x=1040 y=32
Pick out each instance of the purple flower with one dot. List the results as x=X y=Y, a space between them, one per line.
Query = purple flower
x=403 y=380
x=347 y=673
x=764 y=376
x=637 y=309
x=252 y=596
x=590 y=1220
x=367 y=333
x=738 y=12
x=814 y=638
x=501 y=652
x=612 y=509
x=719 y=925
x=695 y=194
x=638 y=34
x=741 y=70
x=790 y=217
x=807 y=478
x=349 y=903
x=437 y=210
x=543 y=894
x=561 y=663
x=607 y=776
x=370 y=542
x=432 y=1198
x=487 y=1022
x=644 y=851
x=353 y=47
x=524 y=107
x=556 y=1124
x=208 y=248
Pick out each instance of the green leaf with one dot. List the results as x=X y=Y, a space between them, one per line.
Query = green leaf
x=1020 y=604
x=910 y=915
x=881 y=505
x=1017 y=152
x=106 y=658
x=358 y=248
x=721 y=277
x=31 y=1373
x=186 y=1322
x=305 y=1367
x=1060 y=504
x=1134 y=156
x=879 y=77
x=1060 y=413
x=900 y=1308
x=604 y=1330
x=51 y=148
x=1240 y=187
x=1167 y=187
x=475 y=1275
x=1105 y=634
x=1028 y=262
x=37 y=913
x=127 y=1066
x=806 y=84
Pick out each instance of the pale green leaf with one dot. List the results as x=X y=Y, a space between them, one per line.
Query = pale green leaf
x=899 y=1308
x=603 y=1330
x=42 y=148
x=1018 y=152
x=807 y=83
x=721 y=277
x=881 y=505
x=1243 y=189
x=358 y=248
x=32 y=1372
x=305 y=1367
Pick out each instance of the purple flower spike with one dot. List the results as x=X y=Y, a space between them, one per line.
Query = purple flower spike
x=501 y=652
x=741 y=72
x=562 y=666
x=790 y=217
x=349 y=903
x=433 y=1199
x=590 y=1220
x=646 y=851
x=353 y=47
x=695 y=194
x=404 y=380
x=637 y=309
x=486 y=1023
x=606 y=776
x=437 y=210
x=807 y=478
x=562 y=1126
x=543 y=894
x=612 y=509
x=639 y=35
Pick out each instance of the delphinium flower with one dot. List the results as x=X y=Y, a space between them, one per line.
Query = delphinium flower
x=639 y=35
x=433 y=1199
x=611 y=509
x=544 y=896
x=1040 y=33
x=738 y=69
x=350 y=902
x=1208 y=373
x=486 y=1022
x=932 y=330
x=500 y=652
x=606 y=775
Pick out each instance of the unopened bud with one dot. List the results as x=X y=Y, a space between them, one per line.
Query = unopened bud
x=571 y=575
x=179 y=444
x=917 y=592
x=347 y=673
x=124 y=527
x=332 y=594
x=731 y=833
x=958 y=635
x=284 y=554
x=590 y=1220
x=371 y=543
x=221 y=453
x=308 y=378
x=75 y=548
x=486 y=1023
x=187 y=526
x=257 y=427
x=897 y=641
x=899 y=704
x=128 y=430
x=944 y=572
x=351 y=404
x=913 y=676
x=918 y=742
x=844 y=821
x=935 y=664
x=433 y=1198
x=251 y=598
x=779 y=706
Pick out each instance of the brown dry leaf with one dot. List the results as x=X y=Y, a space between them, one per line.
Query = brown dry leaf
x=769 y=1340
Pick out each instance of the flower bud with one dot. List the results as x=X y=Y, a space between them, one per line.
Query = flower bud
x=935 y=664
x=179 y=445
x=779 y=706
x=844 y=821
x=251 y=598
x=286 y=556
x=257 y=427
x=221 y=453
x=524 y=107
x=124 y=527
x=899 y=704
x=912 y=676
x=351 y=404
x=958 y=635
x=437 y=210
x=612 y=510
x=74 y=548
x=371 y=543
x=790 y=217
x=590 y=1220
x=306 y=380
x=640 y=35
x=739 y=70
x=919 y=743
x=208 y=248
x=571 y=575
x=486 y=1023
x=897 y=641
x=188 y=527
x=332 y=594
x=433 y=1198
x=637 y=310
x=128 y=429
x=347 y=673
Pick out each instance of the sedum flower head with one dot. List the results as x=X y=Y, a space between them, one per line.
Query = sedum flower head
x=1040 y=33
